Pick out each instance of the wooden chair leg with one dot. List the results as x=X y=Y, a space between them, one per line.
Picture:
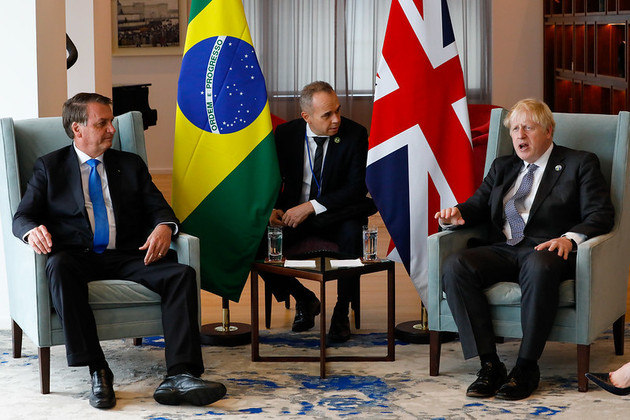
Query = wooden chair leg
x=618 y=333
x=583 y=359
x=268 y=301
x=355 y=304
x=137 y=341
x=17 y=340
x=435 y=348
x=44 y=369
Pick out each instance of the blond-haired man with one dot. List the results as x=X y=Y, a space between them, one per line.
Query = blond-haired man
x=540 y=202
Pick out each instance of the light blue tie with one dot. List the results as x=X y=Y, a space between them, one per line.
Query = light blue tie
x=517 y=225
x=101 y=225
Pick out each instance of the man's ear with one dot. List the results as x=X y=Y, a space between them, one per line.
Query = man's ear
x=75 y=129
x=305 y=116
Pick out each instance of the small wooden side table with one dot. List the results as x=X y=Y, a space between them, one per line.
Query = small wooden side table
x=323 y=273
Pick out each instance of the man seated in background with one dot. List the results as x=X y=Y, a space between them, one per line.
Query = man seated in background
x=322 y=159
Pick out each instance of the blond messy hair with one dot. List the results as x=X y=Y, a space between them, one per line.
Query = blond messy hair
x=537 y=110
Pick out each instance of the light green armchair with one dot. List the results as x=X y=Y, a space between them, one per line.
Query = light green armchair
x=596 y=298
x=122 y=309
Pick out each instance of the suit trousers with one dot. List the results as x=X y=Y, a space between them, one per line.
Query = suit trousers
x=346 y=234
x=466 y=274
x=70 y=272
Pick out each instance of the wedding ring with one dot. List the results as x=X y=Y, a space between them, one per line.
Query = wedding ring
x=159 y=254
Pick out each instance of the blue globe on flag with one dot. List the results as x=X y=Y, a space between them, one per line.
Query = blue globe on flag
x=221 y=88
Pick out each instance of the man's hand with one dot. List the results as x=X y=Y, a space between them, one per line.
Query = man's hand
x=40 y=240
x=450 y=216
x=562 y=244
x=296 y=215
x=276 y=217
x=157 y=243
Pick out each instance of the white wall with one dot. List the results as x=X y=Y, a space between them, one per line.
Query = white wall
x=88 y=23
x=32 y=75
x=517 y=51
x=162 y=71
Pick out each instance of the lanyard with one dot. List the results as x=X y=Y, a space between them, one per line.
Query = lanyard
x=310 y=164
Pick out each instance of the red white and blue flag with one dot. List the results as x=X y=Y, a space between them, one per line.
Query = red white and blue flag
x=420 y=155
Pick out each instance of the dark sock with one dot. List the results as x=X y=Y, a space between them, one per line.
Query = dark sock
x=178 y=369
x=96 y=365
x=492 y=358
x=342 y=307
x=526 y=364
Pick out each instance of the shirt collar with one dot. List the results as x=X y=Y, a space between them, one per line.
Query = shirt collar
x=84 y=157
x=311 y=134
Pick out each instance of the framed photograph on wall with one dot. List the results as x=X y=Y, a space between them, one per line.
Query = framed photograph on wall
x=148 y=27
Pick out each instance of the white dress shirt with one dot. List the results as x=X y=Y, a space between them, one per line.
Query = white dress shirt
x=307 y=175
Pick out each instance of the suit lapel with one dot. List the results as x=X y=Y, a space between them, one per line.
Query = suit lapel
x=112 y=168
x=553 y=171
x=74 y=179
x=511 y=172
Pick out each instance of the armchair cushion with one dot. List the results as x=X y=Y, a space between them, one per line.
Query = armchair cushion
x=509 y=294
x=106 y=294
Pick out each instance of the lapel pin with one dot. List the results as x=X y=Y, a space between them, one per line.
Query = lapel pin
x=558 y=168
x=337 y=140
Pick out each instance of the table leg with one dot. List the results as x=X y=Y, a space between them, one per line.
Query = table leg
x=254 y=303
x=322 y=331
x=391 y=294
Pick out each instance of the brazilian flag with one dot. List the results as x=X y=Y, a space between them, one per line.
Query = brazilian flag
x=225 y=169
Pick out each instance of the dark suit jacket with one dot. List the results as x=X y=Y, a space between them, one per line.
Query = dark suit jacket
x=54 y=198
x=343 y=191
x=572 y=197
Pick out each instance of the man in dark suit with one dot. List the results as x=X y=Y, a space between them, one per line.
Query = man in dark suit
x=322 y=160
x=98 y=215
x=541 y=203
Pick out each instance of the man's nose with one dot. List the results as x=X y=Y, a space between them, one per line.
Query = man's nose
x=110 y=128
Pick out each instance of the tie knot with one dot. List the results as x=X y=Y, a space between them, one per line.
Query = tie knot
x=93 y=162
x=320 y=140
x=531 y=167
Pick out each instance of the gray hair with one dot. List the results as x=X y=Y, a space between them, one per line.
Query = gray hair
x=306 y=95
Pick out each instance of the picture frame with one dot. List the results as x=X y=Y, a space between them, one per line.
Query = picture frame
x=148 y=27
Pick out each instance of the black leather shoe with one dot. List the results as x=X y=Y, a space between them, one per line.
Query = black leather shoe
x=305 y=312
x=603 y=381
x=489 y=378
x=186 y=388
x=520 y=384
x=102 y=395
x=339 y=331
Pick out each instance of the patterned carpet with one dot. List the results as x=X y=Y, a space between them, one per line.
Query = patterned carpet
x=383 y=390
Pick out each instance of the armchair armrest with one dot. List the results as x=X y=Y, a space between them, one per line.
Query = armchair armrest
x=29 y=293
x=187 y=248
x=600 y=284
x=440 y=246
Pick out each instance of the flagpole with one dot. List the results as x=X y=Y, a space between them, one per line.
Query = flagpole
x=417 y=331
x=226 y=333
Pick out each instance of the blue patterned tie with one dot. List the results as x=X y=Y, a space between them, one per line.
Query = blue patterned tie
x=101 y=225
x=517 y=225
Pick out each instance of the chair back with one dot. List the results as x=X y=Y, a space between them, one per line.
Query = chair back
x=21 y=143
x=604 y=135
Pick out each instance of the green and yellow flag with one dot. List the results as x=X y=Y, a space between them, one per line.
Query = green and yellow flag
x=225 y=170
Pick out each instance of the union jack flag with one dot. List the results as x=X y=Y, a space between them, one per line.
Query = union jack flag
x=420 y=154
